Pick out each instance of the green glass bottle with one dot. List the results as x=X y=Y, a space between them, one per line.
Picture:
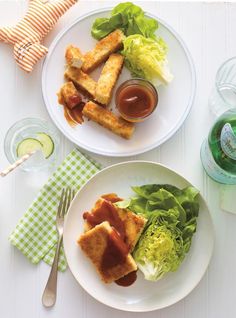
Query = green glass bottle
x=218 y=152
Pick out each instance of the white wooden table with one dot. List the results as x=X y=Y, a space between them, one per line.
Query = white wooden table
x=209 y=32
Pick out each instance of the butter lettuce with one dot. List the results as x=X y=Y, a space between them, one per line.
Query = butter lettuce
x=147 y=58
x=127 y=17
x=145 y=53
x=160 y=250
x=172 y=220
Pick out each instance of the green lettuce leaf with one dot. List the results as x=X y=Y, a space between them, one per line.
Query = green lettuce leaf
x=172 y=221
x=160 y=250
x=147 y=58
x=127 y=17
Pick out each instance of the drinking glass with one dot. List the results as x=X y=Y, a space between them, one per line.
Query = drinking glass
x=223 y=96
x=29 y=128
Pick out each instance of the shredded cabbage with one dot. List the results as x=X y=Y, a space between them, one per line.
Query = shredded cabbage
x=159 y=251
x=147 y=58
x=172 y=220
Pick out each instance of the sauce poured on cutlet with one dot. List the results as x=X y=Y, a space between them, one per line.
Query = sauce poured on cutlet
x=115 y=252
x=127 y=280
x=112 y=197
x=75 y=100
x=106 y=212
x=74 y=116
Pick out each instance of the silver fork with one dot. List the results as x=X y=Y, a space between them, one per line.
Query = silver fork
x=50 y=291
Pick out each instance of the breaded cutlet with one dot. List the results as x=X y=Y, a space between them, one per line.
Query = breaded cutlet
x=74 y=56
x=96 y=243
x=107 y=119
x=69 y=94
x=108 y=78
x=108 y=45
x=81 y=80
x=133 y=223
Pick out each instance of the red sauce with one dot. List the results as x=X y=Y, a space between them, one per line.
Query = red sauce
x=74 y=100
x=68 y=117
x=74 y=116
x=127 y=280
x=136 y=102
x=106 y=212
x=112 y=197
x=115 y=252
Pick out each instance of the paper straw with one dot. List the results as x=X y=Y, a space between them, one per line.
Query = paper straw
x=16 y=164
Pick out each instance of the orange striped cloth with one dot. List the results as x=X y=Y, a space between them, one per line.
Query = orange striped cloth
x=29 y=32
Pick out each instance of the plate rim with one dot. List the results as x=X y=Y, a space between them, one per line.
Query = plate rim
x=209 y=256
x=124 y=153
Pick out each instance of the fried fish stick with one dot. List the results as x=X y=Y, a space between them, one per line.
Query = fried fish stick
x=108 y=78
x=107 y=119
x=74 y=56
x=69 y=94
x=82 y=80
x=110 y=44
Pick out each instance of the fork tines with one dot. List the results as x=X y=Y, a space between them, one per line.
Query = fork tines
x=66 y=198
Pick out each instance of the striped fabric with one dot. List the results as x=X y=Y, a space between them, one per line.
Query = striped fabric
x=29 y=32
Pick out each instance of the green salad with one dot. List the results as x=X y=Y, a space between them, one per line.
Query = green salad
x=172 y=221
x=127 y=17
x=146 y=58
x=145 y=53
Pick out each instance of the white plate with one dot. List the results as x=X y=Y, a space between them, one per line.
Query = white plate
x=175 y=100
x=142 y=295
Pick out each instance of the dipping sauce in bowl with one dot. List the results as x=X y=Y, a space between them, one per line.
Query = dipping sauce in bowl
x=136 y=99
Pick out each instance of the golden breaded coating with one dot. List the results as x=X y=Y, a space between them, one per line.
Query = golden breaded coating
x=96 y=243
x=74 y=56
x=107 y=119
x=82 y=80
x=69 y=94
x=133 y=223
x=108 y=78
x=110 y=44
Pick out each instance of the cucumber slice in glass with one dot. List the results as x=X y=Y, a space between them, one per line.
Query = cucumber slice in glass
x=28 y=145
x=47 y=144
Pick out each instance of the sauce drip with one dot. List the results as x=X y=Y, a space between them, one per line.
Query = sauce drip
x=136 y=101
x=74 y=116
x=115 y=252
x=74 y=100
x=127 y=280
x=112 y=197
x=106 y=212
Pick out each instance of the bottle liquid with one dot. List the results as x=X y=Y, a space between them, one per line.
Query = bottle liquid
x=218 y=152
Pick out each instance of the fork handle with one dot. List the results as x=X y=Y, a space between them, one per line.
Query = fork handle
x=50 y=291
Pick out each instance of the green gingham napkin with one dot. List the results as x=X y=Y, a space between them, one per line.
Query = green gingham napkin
x=35 y=235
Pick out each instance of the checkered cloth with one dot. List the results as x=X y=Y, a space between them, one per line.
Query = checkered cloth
x=35 y=235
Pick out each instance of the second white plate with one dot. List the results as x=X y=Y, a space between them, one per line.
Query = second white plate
x=175 y=100
x=143 y=295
